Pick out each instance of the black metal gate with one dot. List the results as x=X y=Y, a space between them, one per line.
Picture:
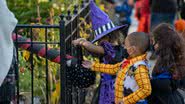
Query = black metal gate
x=26 y=38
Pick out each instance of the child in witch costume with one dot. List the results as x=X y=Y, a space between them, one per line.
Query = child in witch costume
x=109 y=49
x=169 y=72
x=7 y=54
x=132 y=84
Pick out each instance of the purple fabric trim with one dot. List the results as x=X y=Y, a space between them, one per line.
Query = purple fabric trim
x=109 y=52
x=107 y=92
x=107 y=82
x=109 y=55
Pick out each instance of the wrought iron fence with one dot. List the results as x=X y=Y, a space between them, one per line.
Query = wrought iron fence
x=25 y=38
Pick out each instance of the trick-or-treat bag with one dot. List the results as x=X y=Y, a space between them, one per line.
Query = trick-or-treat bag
x=77 y=75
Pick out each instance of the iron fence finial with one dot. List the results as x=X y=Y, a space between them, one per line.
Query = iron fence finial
x=82 y=4
x=75 y=11
x=68 y=17
x=62 y=17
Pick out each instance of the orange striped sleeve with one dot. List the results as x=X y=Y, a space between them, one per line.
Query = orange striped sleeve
x=143 y=81
x=106 y=68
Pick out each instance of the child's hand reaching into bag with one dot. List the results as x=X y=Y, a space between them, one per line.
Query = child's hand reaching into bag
x=87 y=64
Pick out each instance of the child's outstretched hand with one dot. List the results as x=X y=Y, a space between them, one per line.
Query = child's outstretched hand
x=120 y=102
x=87 y=64
x=78 y=41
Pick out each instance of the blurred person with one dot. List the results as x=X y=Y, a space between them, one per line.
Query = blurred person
x=162 y=11
x=7 y=54
x=143 y=15
x=123 y=10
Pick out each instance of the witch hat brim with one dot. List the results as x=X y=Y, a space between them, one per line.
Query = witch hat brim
x=109 y=31
x=101 y=23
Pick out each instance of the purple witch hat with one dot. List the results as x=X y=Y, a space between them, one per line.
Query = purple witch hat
x=101 y=23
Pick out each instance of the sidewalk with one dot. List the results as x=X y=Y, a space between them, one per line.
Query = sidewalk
x=134 y=23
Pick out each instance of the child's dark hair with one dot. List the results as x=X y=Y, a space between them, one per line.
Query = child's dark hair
x=140 y=40
x=171 y=54
x=116 y=36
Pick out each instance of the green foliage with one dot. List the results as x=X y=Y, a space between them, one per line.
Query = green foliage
x=30 y=11
x=42 y=12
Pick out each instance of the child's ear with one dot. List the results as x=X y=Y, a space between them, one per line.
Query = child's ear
x=133 y=49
